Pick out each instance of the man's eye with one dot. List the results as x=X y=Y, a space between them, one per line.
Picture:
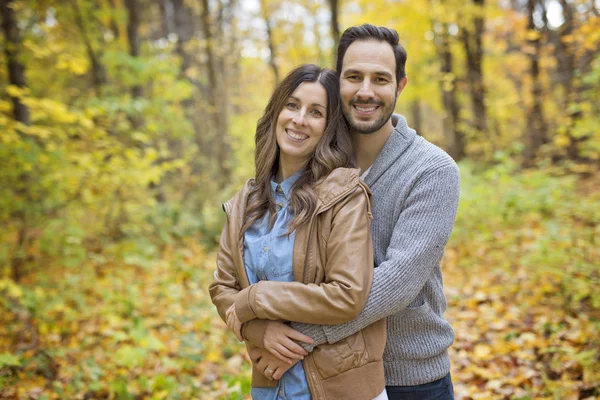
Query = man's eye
x=353 y=77
x=381 y=80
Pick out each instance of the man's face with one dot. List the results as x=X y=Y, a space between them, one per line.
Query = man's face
x=368 y=85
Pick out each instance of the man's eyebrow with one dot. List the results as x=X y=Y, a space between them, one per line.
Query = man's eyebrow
x=384 y=73
x=358 y=72
x=352 y=71
x=313 y=104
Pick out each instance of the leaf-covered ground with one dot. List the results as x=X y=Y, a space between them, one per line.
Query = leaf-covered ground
x=521 y=278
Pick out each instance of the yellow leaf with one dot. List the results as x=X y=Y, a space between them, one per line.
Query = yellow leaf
x=16 y=91
x=214 y=355
x=482 y=351
x=562 y=141
x=532 y=35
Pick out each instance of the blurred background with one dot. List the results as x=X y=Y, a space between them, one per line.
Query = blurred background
x=125 y=123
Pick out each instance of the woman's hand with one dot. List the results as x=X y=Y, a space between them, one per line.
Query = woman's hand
x=271 y=367
x=279 y=341
x=234 y=323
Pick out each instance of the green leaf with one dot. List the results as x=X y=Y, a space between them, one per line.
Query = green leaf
x=9 y=360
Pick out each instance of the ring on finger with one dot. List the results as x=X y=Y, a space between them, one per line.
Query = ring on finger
x=268 y=371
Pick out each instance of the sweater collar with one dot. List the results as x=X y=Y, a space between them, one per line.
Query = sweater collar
x=401 y=138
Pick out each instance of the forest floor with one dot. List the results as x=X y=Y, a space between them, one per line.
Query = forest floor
x=524 y=301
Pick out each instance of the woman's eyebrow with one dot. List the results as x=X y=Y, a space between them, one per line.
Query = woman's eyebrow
x=312 y=105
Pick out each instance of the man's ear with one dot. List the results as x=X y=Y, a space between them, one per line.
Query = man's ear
x=401 y=85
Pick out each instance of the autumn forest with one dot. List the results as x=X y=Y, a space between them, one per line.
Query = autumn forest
x=124 y=124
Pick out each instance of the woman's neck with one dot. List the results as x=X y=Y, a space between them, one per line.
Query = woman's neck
x=288 y=168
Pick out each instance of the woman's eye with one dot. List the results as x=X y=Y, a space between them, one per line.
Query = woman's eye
x=316 y=113
x=292 y=106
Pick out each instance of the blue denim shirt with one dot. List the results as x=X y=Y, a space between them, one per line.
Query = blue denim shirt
x=268 y=256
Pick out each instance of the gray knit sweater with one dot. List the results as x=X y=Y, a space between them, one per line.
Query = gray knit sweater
x=415 y=189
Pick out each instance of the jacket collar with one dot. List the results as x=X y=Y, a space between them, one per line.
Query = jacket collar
x=328 y=190
x=334 y=185
x=401 y=138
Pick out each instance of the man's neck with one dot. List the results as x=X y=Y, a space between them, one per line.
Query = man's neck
x=368 y=146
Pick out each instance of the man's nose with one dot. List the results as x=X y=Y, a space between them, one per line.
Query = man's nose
x=365 y=90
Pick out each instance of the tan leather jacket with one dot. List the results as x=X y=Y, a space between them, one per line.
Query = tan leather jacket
x=333 y=272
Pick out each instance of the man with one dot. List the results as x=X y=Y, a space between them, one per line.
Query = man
x=415 y=189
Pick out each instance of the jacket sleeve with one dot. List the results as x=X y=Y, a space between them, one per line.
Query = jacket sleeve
x=225 y=285
x=348 y=276
x=415 y=250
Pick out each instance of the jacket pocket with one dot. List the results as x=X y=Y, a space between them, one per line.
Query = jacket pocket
x=337 y=358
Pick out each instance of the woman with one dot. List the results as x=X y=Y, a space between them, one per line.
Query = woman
x=297 y=243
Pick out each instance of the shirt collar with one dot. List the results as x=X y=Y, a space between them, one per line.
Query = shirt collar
x=287 y=184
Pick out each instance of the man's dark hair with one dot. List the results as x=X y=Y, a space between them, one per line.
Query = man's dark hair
x=375 y=33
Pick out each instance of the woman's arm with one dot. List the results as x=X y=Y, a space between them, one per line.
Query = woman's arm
x=225 y=286
x=348 y=276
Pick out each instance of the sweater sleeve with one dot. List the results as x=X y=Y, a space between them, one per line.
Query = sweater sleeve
x=415 y=251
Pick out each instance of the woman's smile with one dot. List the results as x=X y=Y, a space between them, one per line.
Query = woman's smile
x=296 y=135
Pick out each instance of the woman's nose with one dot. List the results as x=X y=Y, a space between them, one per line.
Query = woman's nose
x=300 y=118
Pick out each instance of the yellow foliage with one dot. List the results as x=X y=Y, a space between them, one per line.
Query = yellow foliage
x=17 y=91
x=76 y=64
x=562 y=141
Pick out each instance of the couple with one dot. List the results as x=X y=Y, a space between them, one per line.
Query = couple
x=295 y=273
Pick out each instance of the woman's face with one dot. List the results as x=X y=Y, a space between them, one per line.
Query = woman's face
x=301 y=123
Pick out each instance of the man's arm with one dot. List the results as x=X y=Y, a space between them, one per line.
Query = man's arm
x=415 y=250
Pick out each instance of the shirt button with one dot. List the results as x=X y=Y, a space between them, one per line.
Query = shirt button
x=281 y=392
x=265 y=249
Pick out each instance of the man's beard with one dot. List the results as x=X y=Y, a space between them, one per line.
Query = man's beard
x=358 y=127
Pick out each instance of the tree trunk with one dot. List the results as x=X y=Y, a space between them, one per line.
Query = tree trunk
x=217 y=99
x=233 y=57
x=166 y=17
x=567 y=66
x=451 y=122
x=314 y=10
x=273 y=55
x=98 y=70
x=114 y=27
x=417 y=122
x=16 y=76
x=133 y=25
x=12 y=50
x=536 y=134
x=335 y=27
x=472 y=37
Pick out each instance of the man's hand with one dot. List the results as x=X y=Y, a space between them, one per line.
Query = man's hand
x=279 y=341
x=233 y=322
x=271 y=367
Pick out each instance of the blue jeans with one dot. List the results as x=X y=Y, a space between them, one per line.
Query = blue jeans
x=437 y=390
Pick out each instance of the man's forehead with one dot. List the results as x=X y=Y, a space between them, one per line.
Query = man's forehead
x=369 y=56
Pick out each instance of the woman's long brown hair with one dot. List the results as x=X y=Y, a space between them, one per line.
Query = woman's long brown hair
x=333 y=150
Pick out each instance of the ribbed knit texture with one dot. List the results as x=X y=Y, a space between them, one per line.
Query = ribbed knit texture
x=415 y=189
